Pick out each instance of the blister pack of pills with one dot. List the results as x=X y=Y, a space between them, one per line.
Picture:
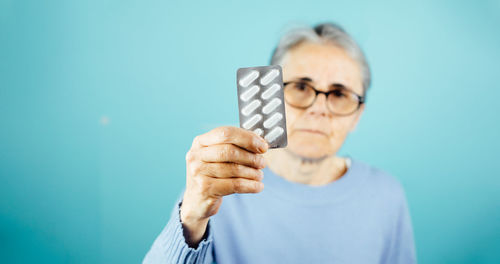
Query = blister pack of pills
x=261 y=103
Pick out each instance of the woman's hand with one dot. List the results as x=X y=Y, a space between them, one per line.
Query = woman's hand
x=224 y=161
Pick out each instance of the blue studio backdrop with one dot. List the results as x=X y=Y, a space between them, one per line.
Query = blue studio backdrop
x=100 y=100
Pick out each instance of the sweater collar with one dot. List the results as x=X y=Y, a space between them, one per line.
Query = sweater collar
x=300 y=193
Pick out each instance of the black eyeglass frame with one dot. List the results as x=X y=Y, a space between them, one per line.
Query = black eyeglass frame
x=361 y=99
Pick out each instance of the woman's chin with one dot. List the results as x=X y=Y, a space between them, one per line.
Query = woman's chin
x=312 y=150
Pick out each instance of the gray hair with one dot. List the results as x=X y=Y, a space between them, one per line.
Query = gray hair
x=325 y=32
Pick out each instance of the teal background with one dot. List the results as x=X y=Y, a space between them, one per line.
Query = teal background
x=99 y=102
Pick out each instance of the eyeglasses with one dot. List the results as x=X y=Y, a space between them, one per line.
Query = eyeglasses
x=340 y=101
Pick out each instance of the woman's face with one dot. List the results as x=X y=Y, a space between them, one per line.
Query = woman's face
x=315 y=132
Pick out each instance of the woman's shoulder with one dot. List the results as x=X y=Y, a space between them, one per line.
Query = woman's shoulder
x=379 y=180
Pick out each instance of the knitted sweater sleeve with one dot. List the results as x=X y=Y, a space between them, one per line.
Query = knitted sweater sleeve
x=171 y=247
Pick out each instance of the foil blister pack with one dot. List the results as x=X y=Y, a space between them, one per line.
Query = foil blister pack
x=261 y=103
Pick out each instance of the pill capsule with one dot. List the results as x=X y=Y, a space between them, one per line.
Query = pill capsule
x=269 y=77
x=252 y=76
x=245 y=96
x=270 y=91
x=250 y=107
x=269 y=107
x=252 y=121
x=271 y=121
x=275 y=133
x=259 y=131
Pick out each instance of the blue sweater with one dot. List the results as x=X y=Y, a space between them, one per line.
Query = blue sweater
x=361 y=218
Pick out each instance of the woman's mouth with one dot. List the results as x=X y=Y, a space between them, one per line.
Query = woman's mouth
x=314 y=131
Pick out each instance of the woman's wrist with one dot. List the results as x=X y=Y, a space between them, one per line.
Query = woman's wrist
x=194 y=228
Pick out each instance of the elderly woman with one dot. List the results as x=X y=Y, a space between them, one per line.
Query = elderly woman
x=316 y=207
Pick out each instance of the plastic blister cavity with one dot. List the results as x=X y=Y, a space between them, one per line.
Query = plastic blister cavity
x=261 y=103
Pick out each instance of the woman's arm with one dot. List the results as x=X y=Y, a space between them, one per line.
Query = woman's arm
x=402 y=249
x=171 y=246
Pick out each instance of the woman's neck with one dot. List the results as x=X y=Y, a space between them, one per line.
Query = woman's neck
x=305 y=170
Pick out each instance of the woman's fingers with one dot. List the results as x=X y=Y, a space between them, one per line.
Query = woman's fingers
x=232 y=135
x=231 y=170
x=229 y=186
x=230 y=153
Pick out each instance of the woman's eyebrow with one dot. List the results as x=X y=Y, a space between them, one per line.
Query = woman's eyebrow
x=337 y=85
x=331 y=87
x=305 y=79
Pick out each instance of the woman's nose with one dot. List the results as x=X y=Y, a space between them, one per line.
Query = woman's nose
x=319 y=106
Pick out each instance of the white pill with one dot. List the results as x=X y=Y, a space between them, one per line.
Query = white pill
x=250 y=107
x=275 y=133
x=269 y=77
x=259 y=131
x=270 y=91
x=245 y=81
x=252 y=121
x=249 y=93
x=270 y=122
x=271 y=106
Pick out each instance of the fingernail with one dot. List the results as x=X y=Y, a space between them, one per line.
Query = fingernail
x=261 y=146
x=264 y=146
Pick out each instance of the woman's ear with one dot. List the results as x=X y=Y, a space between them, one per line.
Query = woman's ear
x=356 y=119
